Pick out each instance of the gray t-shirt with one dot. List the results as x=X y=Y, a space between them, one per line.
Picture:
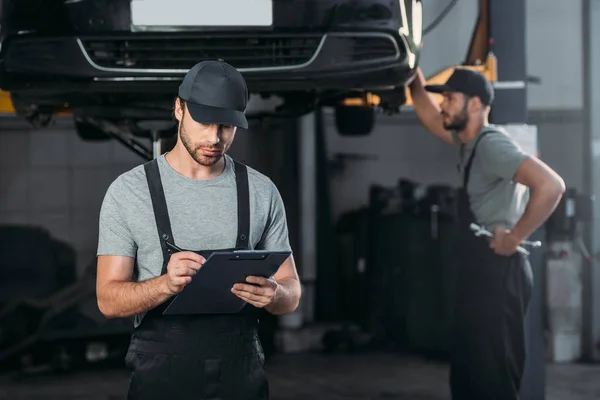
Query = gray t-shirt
x=203 y=215
x=496 y=200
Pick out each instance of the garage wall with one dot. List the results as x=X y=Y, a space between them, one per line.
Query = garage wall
x=447 y=44
x=554 y=47
x=555 y=54
x=51 y=178
x=399 y=148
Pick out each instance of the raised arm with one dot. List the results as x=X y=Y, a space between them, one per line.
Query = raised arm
x=427 y=110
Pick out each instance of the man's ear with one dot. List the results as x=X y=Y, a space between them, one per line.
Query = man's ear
x=178 y=111
x=475 y=104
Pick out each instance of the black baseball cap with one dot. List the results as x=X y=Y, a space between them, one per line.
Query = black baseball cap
x=469 y=82
x=215 y=93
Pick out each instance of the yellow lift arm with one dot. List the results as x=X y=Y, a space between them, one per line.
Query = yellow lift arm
x=479 y=58
x=6 y=106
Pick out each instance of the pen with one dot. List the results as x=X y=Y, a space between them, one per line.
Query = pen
x=173 y=247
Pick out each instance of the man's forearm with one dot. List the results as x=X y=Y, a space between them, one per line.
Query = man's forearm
x=542 y=202
x=423 y=104
x=286 y=298
x=125 y=299
x=427 y=109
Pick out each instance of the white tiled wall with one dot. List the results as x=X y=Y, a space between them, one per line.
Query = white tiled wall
x=50 y=178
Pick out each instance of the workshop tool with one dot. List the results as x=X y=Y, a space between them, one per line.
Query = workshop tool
x=480 y=231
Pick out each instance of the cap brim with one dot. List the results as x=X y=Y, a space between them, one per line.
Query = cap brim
x=216 y=115
x=439 y=88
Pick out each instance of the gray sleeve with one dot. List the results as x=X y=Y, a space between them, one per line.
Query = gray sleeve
x=500 y=156
x=275 y=236
x=114 y=236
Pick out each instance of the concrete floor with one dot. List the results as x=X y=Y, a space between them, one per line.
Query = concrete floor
x=313 y=376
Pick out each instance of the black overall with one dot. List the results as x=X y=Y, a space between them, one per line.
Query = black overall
x=488 y=343
x=212 y=357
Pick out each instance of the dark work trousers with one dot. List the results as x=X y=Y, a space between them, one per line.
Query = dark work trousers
x=212 y=357
x=488 y=338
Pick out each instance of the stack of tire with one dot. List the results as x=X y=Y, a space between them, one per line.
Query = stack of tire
x=33 y=263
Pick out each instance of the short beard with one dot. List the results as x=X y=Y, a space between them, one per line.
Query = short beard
x=194 y=151
x=460 y=122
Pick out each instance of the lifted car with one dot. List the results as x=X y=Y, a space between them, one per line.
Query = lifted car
x=116 y=62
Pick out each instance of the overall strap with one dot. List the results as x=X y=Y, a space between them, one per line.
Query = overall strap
x=467 y=173
x=159 y=204
x=243 y=206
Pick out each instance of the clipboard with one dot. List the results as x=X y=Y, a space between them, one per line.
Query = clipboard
x=209 y=292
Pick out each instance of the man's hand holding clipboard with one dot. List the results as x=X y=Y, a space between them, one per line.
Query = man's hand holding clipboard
x=229 y=280
x=259 y=291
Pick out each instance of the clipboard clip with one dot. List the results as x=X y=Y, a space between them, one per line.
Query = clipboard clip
x=249 y=255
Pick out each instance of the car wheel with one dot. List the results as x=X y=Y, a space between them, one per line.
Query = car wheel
x=354 y=120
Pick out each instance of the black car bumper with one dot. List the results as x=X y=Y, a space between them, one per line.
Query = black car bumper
x=269 y=61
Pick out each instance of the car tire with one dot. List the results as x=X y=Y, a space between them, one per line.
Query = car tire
x=354 y=120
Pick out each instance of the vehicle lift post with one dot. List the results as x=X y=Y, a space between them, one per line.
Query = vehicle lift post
x=508 y=44
x=591 y=178
x=156 y=128
x=156 y=142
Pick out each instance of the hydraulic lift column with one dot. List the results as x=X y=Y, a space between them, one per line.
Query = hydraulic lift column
x=156 y=142
x=510 y=107
x=156 y=129
x=591 y=175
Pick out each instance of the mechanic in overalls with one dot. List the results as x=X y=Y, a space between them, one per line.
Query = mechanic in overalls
x=194 y=197
x=510 y=194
